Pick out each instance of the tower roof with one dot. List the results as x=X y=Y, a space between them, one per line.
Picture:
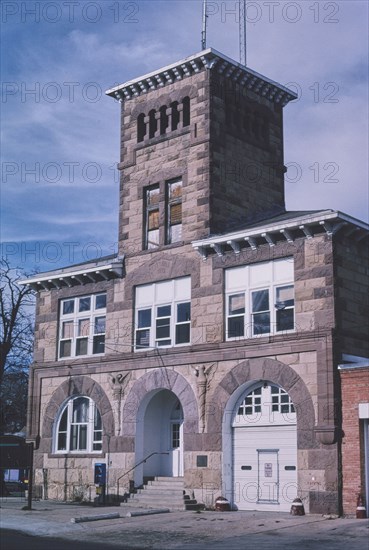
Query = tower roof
x=206 y=59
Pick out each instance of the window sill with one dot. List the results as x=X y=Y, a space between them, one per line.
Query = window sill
x=82 y=454
x=260 y=336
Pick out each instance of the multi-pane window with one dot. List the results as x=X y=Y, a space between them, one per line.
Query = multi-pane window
x=251 y=404
x=260 y=299
x=159 y=206
x=174 y=211
x=264 y=405
x=152 y=218
x=79 y=428
x=281 y=401
x=163 y=314
x=82 y=326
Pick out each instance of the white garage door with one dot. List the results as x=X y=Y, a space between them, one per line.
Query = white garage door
x=265 y=451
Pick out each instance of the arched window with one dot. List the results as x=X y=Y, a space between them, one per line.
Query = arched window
x=163 y=120
x=186 y=111
x=141 y=127
x=153 y=124
x=79 y=427
x=175 y=115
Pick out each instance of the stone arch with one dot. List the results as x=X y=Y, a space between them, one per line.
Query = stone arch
x=79 y=385
x=276 y=372
x=161 y=378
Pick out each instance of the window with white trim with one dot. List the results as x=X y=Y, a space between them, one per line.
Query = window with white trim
x=260 y=299
x=79 y=427
x=163 y=314
x=174 y=211
x=82 y=326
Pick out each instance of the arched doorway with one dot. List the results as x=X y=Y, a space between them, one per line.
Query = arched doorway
x=264 y=448
x=159 y=437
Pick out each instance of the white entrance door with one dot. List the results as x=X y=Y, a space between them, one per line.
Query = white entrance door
x=175 y=448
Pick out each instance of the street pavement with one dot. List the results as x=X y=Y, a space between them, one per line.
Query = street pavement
x=50 y=520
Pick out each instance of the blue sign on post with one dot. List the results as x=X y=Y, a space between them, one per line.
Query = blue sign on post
x=100 y=474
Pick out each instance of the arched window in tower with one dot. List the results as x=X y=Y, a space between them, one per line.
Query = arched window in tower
x=186 y=111
x=175 y=115
x=163 y=120
x=79 y=427
x=141 y=128
x=153 y=124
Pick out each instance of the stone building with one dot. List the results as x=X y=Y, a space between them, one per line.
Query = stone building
x=207 y=348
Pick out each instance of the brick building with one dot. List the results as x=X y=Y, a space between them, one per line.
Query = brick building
x=355 y=442
x=207 y=349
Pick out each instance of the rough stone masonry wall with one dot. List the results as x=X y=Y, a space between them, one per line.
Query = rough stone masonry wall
x=246 y=173
x=352 y=295
x=182 y=153
x=355 y=390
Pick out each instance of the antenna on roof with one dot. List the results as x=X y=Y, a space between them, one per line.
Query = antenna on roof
x=204 y=25
x=242 y=31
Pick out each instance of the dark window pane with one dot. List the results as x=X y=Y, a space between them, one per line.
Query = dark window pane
x=261 y=323
x=285 y=319
x=85 y=304
x=285 y=409
x=183 y=312
x=100 y=301
x=62 y=441
x=82 y=438
x=66 y=348
x=97 y=420
x=63 y=421
x=257 y=391
x=73 y=437
x=236 y=327
x=274 y=389
x=143 y=338
x=257 y=408
x=162 y=328
x=81 y=346
x=144 y=318
x=97 y=446
x=183 y=334
x=99 y=325
x=164 y=311
x=275 y=408
x=260 y=300
x=80 y=409
x=68 y=307
x=99 y=344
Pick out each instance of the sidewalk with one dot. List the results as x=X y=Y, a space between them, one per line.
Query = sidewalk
x=187 y=530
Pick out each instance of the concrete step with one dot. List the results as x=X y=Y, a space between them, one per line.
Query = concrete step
x=167 y=478
x=153 y=490
x=159 y=501
x=172 y=507
x=165 y=483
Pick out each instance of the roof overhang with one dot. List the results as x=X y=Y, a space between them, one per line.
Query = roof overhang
x=288 y=230
x=206 y=59
x=77 y=275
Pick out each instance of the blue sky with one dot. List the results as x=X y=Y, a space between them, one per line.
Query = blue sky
x=60 y=133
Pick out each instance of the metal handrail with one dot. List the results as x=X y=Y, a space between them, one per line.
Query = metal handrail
x=135 y=466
